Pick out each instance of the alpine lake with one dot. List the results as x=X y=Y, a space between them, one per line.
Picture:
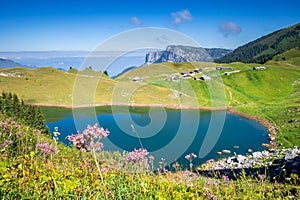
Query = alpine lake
x=168 y=134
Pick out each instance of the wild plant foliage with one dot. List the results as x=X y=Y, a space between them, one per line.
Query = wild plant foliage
x=11 y=106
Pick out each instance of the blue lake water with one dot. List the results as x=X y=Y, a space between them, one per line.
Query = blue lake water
x=168 y=134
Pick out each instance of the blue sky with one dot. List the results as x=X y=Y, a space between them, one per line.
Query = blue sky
x=31 y=25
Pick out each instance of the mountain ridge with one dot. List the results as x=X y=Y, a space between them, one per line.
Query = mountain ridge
x=266 y=47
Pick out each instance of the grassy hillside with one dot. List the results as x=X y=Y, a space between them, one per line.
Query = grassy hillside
x=291 y=57
x=52 y=86
x=266 y=47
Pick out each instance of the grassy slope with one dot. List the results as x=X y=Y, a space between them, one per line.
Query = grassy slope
x=51 y=86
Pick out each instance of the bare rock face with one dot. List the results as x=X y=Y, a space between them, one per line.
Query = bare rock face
x=179 y=53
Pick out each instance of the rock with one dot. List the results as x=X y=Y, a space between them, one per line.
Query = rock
x=296 y=164
x=235 y=160
x=265 y=153
x=228 y=160
x=257 y=155
x=241 y=158
x=226 y=151
x=179 y=53
x=291 y=154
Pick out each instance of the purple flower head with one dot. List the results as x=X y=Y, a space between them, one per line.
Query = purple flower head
x=46 y=148
x=9 y=125
x=261 y=176
x=98 y=146
x=38 y=132
x=137 y=155
x=20 y=134
x=190 y=156
x=5 y=144
x=226 y=179
x=85 y=141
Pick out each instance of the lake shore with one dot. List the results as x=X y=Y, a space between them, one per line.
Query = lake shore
x=131 y=105
x=266 y=123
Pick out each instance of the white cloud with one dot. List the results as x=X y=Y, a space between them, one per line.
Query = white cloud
x=181 y=16
x=135 y=21
x=229 y=28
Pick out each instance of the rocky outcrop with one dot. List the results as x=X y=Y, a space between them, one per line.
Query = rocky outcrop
x=276 y=164
x=179 y=53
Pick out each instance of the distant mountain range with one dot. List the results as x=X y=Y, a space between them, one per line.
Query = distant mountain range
x=179 y=53
x=266 y=47
x=4 y=63
x=124 y=71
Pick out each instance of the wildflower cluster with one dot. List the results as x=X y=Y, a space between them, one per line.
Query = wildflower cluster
x=14 y=139
x=137 y=155
x=8 y=126
x=138 y=159
x=85 y=141
x=9 y=131
x=5 y=144
x=46 y=148
x=190 y=157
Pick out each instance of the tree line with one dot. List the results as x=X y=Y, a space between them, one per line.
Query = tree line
x=266 y=47
x=13 y=107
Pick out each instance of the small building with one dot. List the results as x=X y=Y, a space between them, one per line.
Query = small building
x=197 y=79
x=259 y=68
x=188 y=76
x=192 y=73
x=137 y=79
x=183 y=73
x=226 y=73
x=197 y=70
x=223 y=68
x=173 y=79
x=205 y=78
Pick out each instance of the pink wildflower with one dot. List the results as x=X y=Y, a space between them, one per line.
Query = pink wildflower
x=137 y=155
x=226 y=179
x=47 y=149
x=5 y=144
x=85 y=141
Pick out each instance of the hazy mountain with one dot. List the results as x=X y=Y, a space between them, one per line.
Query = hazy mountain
x=4 y=63
x=124 y=71
x=266 y=47
x=179 y=53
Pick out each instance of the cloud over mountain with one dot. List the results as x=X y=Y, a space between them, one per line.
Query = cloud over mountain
x=181 y=16
x=135 y=21
x=229 y=28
